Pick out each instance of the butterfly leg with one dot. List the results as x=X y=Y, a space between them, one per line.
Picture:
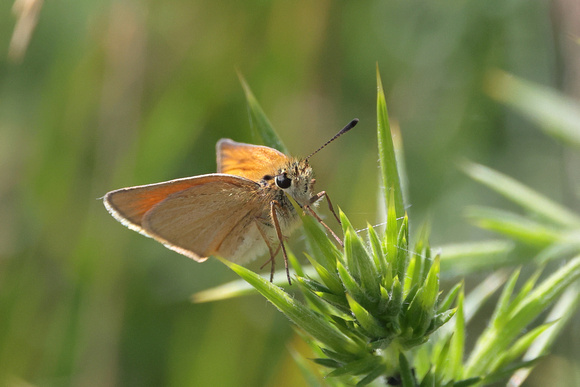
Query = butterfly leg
x=273 y=253
x=321 y=195
x=273 y=205
x=310 y=211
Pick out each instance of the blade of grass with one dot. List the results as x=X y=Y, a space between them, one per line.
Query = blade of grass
x=467 y=258
x=261 y=126
x=514 y=226
x=481 y=293
x=240 y=288
x=563 y=311
x=499 y=336
x=557 y=115
x=522 y=195
x=304 y=366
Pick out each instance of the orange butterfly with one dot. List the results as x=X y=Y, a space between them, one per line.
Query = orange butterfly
x=237 y=213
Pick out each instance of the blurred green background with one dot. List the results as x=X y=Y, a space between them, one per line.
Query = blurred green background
x=119 y=93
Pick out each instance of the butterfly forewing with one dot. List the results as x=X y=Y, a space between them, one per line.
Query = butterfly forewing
x=129 y=205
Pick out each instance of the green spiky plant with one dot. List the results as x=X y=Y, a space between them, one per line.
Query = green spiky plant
x=373 y=312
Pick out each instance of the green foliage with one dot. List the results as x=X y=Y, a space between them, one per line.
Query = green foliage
x=113 y=94
x=356 y=314
x=549 y=227
x=502 y=342
x=371 y=309
x=365 y=305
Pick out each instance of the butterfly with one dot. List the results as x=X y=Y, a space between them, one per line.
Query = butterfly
x=238 y=213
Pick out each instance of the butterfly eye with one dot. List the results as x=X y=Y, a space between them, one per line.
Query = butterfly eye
x=283 y=181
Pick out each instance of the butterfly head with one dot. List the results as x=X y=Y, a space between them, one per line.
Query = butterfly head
x=296 y=179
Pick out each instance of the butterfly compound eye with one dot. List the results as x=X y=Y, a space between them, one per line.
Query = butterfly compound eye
x=283 y=181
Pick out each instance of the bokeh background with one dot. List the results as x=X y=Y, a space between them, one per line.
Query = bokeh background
x=118 y=93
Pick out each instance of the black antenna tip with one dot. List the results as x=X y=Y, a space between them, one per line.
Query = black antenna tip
x=351 y=124
x=348 y=127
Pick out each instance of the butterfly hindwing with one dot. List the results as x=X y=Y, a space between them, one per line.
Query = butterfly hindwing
x=209 y=218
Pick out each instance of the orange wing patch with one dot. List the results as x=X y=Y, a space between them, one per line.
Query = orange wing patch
x=246 y=160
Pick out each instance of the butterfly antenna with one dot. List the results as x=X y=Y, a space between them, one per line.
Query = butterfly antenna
x=348 y=127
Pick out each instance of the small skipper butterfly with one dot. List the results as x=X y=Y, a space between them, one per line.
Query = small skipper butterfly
x=237 y=213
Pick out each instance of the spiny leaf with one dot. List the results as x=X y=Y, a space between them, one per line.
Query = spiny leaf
x=239 y=288
x=389 y=172
x=467 y=382
x=502 y=306
x=561 y=313
x=302 y=316
x=357 y=367
x=321 y=247
x=315 y=301
x=396 y=303
x=518 y=348
x=372 y=375
x=506 y=372
x=330 y=363
x=295 y=264
x=359 y=262
x=441 y=361
x=343 y=358
x=330 y=279
x=428 y=379
x=403 y=247
x=525 y=290
x=449 y=298
x=440 y=319
x=423 y=305
x=407 y=378
x=350 y=284
x=455 y=365
x=378 y=253
x=366 y=320
x=545 y=293
x=505 y=329
x=482 y=292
